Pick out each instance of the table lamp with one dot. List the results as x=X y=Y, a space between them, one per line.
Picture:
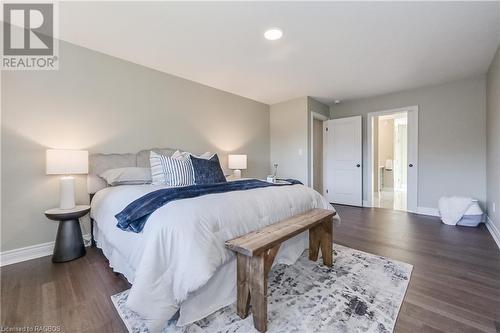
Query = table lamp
x=388 y=165
x=68 y=163
x=237 y=163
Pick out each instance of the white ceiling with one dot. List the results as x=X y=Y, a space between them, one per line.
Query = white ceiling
x=330 y=50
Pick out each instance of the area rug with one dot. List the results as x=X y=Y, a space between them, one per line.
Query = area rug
x=362 y=292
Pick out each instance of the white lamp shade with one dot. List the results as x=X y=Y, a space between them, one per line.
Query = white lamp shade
x=388 y=164
x=67 y=162
x=238 y=162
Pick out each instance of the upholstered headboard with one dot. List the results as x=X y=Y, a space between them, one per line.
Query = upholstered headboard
x=99 y=163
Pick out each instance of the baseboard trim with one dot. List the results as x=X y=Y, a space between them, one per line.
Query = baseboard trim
x=420 y=210
x=26 y=253
x=492 y=228
x=30 y=252
x=428 y=211
x=41 y=250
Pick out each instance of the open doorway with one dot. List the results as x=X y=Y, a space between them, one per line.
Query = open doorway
x=316 y=151
x=318 y=155
x=390 y=157
x=393 y=156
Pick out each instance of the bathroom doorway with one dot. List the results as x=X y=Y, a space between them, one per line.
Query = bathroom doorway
x=389 y=173
x=392 y=155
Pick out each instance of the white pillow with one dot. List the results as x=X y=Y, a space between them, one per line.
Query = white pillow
x=185 y=155
x=171 y=171
x=127 y=176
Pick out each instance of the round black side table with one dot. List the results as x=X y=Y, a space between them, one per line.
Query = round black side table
x=69 y=241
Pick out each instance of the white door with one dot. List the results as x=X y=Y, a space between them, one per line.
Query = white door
x=342 y=156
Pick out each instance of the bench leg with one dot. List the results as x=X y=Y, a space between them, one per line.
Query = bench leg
x=321 y=236
x=252 y=280
x=258 y=292
x=269 y=258
x=242 y=285
x=326 y=242
x=314 y=242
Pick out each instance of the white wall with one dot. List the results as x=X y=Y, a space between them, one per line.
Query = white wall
x=105 y=104
x=493 y=140
x=452 y=135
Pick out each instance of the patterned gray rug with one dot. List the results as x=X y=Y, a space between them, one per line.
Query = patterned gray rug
x=362 y=292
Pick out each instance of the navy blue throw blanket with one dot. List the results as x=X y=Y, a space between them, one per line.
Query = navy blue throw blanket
x=135 y=215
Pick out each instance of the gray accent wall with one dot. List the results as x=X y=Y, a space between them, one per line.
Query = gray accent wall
x=104 y=104
x=323 y=109
x=452 y=136
x=318 y=107
x=493 y=140
x=291 y=136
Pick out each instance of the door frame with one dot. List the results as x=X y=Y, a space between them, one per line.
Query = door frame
x=412 y=182
x=313 y=115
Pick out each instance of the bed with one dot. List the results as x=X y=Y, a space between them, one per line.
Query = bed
x=178 y=264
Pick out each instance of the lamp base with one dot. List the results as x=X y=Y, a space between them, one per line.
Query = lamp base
x=237 y=174
x=67 y=193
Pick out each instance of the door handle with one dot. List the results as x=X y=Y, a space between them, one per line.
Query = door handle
x=410 y=165
x=358 y=165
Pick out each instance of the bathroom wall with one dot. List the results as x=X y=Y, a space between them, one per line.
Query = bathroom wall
x=386 y=149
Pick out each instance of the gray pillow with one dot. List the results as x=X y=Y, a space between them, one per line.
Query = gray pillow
x=127 y=176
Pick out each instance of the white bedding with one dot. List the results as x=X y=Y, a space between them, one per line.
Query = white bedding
x=179 y=260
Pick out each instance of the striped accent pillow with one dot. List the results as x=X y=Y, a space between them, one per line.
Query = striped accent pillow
x=170 y=171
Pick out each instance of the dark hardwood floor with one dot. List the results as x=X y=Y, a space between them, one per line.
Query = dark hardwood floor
x=455 y=285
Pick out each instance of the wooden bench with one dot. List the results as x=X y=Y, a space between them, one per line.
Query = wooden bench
x=255 y=253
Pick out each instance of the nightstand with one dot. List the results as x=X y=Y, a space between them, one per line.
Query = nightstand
x=69 y=241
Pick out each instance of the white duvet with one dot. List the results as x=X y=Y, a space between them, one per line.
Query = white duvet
x=179 y=260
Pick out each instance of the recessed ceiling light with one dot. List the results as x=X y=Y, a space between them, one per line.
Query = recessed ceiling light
x=273 y=34
x=337 y=101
